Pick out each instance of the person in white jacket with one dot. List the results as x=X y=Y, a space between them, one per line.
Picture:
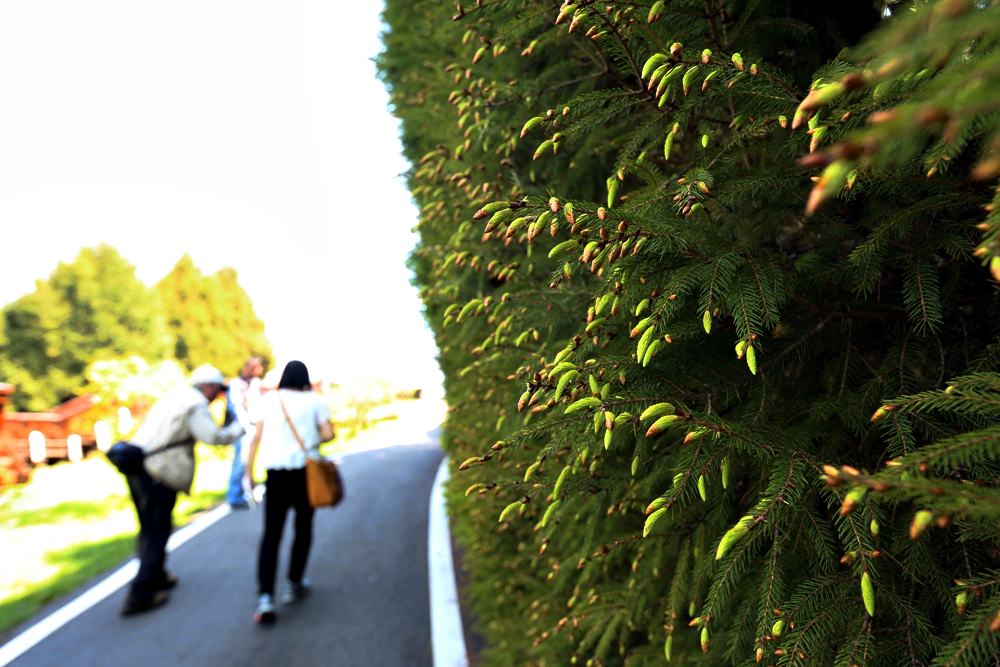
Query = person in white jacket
x=167 y=437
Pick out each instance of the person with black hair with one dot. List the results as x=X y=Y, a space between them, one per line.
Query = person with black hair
x=289 y=414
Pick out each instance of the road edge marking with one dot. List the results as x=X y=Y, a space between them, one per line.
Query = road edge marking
x=35 y=634
x=447 y=638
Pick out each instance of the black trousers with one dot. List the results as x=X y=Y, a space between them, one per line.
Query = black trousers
x=154 y=505
x=286 y=489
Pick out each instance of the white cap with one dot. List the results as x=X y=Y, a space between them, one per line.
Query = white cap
x=207 y=374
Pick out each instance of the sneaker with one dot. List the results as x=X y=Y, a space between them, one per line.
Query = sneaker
x=295 y=591
x=265 y=610
x=136 y=605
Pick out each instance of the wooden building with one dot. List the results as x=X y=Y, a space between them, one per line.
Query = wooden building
x=65 y=432
x=13 y=466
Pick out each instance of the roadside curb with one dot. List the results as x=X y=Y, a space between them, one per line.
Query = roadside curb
x=447 y=638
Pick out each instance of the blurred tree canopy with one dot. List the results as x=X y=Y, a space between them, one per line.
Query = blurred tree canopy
x=210 y=318
x=95 y=308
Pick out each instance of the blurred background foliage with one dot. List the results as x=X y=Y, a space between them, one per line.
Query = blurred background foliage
x=96 y=309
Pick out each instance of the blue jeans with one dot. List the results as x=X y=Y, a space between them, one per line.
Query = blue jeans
x=234 y=495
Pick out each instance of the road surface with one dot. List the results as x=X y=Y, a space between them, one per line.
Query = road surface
x=368 y=565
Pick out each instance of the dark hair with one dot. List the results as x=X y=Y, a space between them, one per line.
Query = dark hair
x=295 y=376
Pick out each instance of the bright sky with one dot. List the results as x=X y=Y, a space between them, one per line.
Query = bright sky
x=249 y=134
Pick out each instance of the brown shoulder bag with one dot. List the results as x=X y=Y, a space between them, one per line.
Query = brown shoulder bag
x=323 y=482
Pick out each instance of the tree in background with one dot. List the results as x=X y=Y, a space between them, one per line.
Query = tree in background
x=211 y=318
x=711 y=284
x=93 y=307
x=236 y=316
x=132 y=383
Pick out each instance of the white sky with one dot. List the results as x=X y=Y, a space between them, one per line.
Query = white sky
x=249 y=134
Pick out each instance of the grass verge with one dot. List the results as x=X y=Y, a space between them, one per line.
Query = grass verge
x=76 y=521
x=78 y=564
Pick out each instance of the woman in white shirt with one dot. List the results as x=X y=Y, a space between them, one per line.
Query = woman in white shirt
x=284 y=459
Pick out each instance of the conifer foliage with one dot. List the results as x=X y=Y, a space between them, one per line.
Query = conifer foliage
x=211 y=318
x=714 y=284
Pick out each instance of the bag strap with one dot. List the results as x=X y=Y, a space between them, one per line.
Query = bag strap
x=295 y=431
x=170 y=445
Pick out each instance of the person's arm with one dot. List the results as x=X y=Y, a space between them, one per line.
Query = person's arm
x=252 y=454
x=204 y=428
x=324 y=422
x=325 y=431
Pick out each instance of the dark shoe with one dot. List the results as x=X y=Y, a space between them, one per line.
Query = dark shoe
x=167 y=583
x=239 y=506
x=265 y=610
x=137 y=605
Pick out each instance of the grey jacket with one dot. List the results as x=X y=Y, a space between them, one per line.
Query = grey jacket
x=180 y=416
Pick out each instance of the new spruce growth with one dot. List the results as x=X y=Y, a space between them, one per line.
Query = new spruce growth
x=715 y=289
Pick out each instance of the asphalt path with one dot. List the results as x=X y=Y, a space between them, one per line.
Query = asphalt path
x=368 y=565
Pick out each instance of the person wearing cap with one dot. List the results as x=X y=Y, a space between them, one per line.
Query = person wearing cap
x=167 y=437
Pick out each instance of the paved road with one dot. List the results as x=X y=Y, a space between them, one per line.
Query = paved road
x=368 y=567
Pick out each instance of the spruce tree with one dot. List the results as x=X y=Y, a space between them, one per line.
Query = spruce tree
x=212 y=318
x=96 y=309
x=714 y=284
x=91 y=308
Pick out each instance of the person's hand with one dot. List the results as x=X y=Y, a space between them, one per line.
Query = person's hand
x=250 y=490
x=248 y=487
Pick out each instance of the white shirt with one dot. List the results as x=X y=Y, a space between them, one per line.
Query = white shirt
x=245 y=396
x=278 y=448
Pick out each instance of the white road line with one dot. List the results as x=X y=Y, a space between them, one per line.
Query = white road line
x=106 y=587
x=447 y=639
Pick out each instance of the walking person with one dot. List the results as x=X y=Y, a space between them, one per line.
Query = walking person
x=244 y=396
x=167 y=438
x=292 y=419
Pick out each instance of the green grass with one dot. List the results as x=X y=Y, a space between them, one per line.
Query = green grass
x=82 y=562
x=90 y=493
x=189 y=507
x=71 y=510
x=77 y=565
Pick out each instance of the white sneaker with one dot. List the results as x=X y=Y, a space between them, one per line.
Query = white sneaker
x=265 y=610
x=295 y=591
